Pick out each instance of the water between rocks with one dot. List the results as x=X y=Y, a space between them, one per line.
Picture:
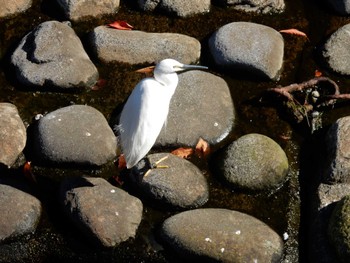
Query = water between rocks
x=283 y=210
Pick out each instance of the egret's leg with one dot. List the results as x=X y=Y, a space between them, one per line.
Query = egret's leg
x=157 y=166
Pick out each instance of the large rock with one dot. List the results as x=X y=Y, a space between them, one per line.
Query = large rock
x=336 y=50
x=9 y=8
x=254 y=162
x=201 y=107
x=137 y=47
x=104 y=213
x=20 y=212
x=249 y=47
x=337 y=165
x=52 y=55
x=222 y=235
x=13 y=135
x=181 y=8
x=76 y=134
x=257 y=6
x=181 y=184
x=79 y=9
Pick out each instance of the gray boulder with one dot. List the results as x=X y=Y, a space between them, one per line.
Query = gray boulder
x=221 y=235
x=13 y=135
x=78 y=9
x=254 y=162
x=181 y=184
x=181 y=8
x=337 y=165
x=76 y=134
x=249 y=47
x=201 y=107
x=20 y=213
x=52 y=55
x=340 y=6
x=104 y=213
x=336 y=51
x=137 y=47
x=257 y=6
x=9 y=8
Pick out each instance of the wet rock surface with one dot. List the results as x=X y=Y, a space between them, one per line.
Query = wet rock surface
x=137 y=47
x=13 y=135
x=10 y=8
x=180 y=8
x=104 y=213
x=336 y=50
x=179 y=184
x=221 y=235
x=47 y=56
x=73 y=135
x=254 y=162
x=201 y=107
x=248 y=46
x=80 y=9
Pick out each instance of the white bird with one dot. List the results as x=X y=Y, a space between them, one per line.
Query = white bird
x=146 y=110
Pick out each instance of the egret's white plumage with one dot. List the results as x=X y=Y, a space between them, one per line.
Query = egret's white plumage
x=146 y=110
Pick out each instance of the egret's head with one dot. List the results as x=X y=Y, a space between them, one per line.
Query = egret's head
x=168 y=66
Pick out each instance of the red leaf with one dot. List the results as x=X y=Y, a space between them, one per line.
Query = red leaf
x=293 y=31
x=318 y=73
x=27 y=171
x=121 y=25
x=99 y=84
x=183 y=152
x=202 y=148
x=121 y=162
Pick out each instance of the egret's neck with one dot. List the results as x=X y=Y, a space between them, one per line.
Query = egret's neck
x=169 y=81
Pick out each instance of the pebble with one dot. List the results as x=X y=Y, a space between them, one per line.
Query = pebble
x=137 y=47
x=106 y=214
x=47 y=56
x=13 y=135
x=73 y=135
x=254 y=162
x=248 y=47
x=336 y=50
x=210 y=234
x=180 y=185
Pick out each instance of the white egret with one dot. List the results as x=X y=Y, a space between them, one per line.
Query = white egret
x=146 y=110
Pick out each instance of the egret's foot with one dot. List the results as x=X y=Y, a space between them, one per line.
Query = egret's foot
x=157 y=166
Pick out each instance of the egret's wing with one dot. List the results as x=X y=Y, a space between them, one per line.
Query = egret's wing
x=142 y=119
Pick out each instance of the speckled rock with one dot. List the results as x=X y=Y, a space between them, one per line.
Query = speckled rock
x=181 y=8
x=221 y=235
x=339 y=229
x=201 y=107
x=257 y=6
x=180 y=185
x=137 y=47
x=78 y=9
x=13 y=135
x=340 y=6
x=336 y=51
x=47 y=56
x=20 y=212
x=104 y=213
x=9 y=8
x=248 y=47
x=76 y=134
x=337 y=165
x=254 y=162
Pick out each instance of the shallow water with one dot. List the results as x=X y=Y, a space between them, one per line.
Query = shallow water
x=57 y=240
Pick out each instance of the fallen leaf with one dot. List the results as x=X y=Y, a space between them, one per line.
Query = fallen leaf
x=121 y=25
x=293 y=31
x=99 y=84
x=121 y=162
x=318 y=73
x=183 y=152
x=202 y=148
x=149 y=69
x=27 y=171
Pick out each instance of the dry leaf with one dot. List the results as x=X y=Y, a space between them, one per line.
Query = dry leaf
x=99 y=84
x=27 y=171
x=183 y=152
x=318 y=73
x=121 y=162
x=202 y=148
x=293 y=31
x=121 y=25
